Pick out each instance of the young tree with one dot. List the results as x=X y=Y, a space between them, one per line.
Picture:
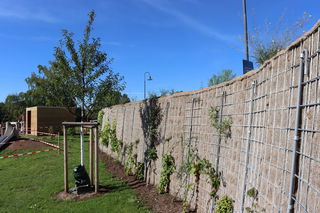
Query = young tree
x=79 y=76
x=268 y=41
x=225 y=75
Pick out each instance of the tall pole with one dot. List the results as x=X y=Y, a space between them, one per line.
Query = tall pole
x=81 y=128
x=65 y=157
x=245 y=29
x=145 y=87
x=81 y=137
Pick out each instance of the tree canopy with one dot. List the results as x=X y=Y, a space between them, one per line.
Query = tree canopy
x=267 y=41
x=79 y=76
x=225 y=75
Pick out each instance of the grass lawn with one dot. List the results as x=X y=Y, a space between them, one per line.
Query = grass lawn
x=29 y=183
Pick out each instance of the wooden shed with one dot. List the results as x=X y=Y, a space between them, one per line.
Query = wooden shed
x=46 y=119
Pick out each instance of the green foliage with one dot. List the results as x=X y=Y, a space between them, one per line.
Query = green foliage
x=79 y=75
x=140 y=171
x=223 y=126
x=130 y=163
x=106 y=134
x=168 y=167
x=15 y=105
x=225 y=75
x=253 y=193
x=166 y=92
x=100 y=117
x=116 y=145
x=224 y=205
x=71 y=131
x=254 y=208
x=198 y=166
x=266 y=42
x=151 y=153
x=109 y=137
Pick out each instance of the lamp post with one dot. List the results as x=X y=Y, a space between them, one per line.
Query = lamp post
x=246 y=63
x=145 y=83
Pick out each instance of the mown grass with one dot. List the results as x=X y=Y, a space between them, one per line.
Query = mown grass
x=29 y=184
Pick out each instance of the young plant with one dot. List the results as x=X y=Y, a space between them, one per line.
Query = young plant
x=254 y=208
x=223 y=126
x=100 y=117
x=151 y=154
x=105 y=134
x=140 y=171
x=224 y=205
x=168 y=167
x=130 y=163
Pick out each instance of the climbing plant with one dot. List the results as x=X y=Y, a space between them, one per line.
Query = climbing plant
x=254 y=208
x=224 y=205
x=151 y=117
x=168 y=167
x=100 y=117
x=131 y=162
x=109 y=137
x=105 y=134
x=197 y=166
x=221 y=125
x=140 y=171
x=151 y=154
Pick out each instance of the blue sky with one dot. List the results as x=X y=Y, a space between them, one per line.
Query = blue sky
x=180 y=42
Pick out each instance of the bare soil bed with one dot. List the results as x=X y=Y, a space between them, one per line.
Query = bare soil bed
x=162 y=203
x=24 y=144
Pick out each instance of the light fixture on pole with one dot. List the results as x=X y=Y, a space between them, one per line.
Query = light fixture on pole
x=246 y=63
x=145 y=83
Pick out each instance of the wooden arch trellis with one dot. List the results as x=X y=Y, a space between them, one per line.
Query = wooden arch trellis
x=93 y=152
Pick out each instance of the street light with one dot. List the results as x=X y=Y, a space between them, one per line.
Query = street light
x=145 y=83
x=246 y=63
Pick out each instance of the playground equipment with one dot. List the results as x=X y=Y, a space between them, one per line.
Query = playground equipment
x=84 y=182
x=9 y=133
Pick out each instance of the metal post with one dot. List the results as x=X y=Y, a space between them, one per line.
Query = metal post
x=190 y=130
x=223 y=95
x=294 y=166
x=96 y=175
x=65 y=163
x=81 y=146
x=254 y=84
x=244 y=2
x=91 y=150
x=144 y=88
x=59 y=142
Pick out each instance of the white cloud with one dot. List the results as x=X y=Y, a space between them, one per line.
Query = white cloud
x=189 y=21
x=17 y=10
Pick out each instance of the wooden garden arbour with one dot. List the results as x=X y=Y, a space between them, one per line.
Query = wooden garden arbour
x=93 y=150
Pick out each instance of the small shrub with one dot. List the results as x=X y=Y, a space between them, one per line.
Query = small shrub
x=130 y=162
x=100 y=117
x=140 y=171
x=223 y=126
x=71 y=131
x=224 y=205
x=168 y=167
x=151 y=153
x=253 y=193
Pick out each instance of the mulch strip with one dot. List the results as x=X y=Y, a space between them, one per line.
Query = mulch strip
x=162 y=203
